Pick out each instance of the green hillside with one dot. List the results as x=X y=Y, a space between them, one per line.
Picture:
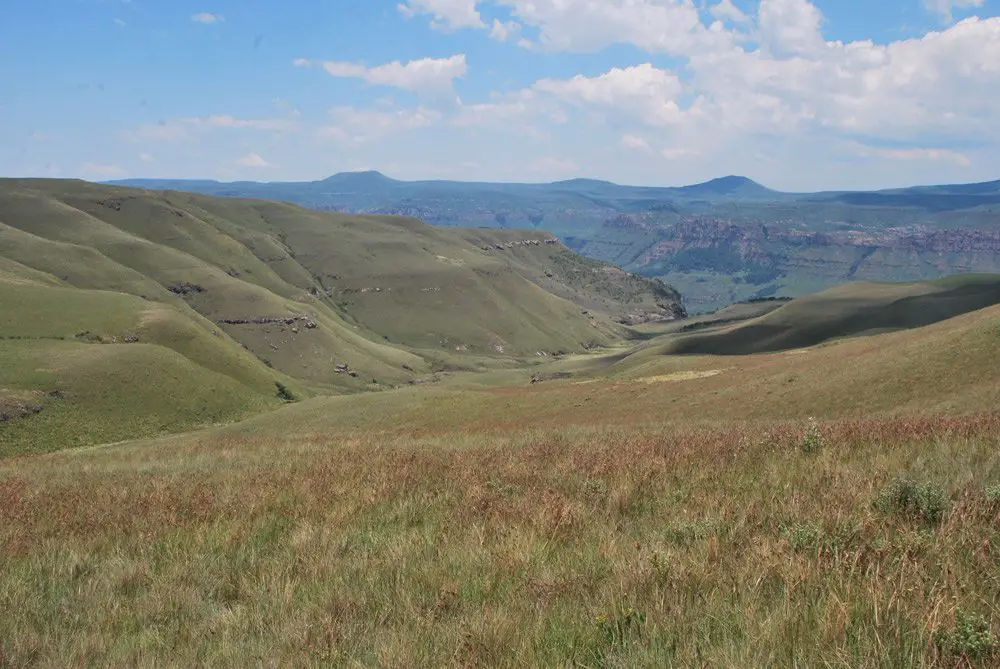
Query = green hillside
x=238 y=296
x=849 y=310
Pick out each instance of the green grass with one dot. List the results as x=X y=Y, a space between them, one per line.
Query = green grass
x=395 y=299
x=848 y=310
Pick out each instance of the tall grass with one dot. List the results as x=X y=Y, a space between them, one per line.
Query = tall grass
x=660 y=546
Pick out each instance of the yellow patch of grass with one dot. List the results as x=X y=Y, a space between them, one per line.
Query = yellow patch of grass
x=682 y=376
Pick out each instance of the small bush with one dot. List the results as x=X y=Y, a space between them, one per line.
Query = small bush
x=283 y=392
x=993 y=494
x=971 y=639
x=812 y=441
x=803 y=538
x=906 y=497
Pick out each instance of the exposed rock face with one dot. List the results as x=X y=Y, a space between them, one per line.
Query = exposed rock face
x=520 y=242
x=753 y=259
x=307 y=322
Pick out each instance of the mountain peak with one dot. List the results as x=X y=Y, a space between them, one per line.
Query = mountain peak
x=730 y=185
x=370 y=177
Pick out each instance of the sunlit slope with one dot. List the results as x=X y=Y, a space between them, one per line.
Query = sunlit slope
x=84 y=366
x=375 y=285
x=950 y=366
x=852 y=309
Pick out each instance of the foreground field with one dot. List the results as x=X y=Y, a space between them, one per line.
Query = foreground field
x=653 y=511
x=587 y=547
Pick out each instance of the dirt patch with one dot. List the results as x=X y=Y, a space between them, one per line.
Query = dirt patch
x=681 y=376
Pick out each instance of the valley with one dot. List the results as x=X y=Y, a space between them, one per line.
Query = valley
x=719 y=242
x=237 y=429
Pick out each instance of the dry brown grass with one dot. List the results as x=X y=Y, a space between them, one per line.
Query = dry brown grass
x=729 y=546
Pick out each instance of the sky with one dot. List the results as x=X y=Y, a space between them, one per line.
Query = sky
x=799 y=95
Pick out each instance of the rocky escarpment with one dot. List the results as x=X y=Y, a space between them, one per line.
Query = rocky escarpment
x=715 y=260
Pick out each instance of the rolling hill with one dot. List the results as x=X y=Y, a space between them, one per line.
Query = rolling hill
x=719 y=242
x=834 y=507
x=237 y=304
x=846 y=311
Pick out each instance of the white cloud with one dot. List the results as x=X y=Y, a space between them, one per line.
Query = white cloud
x=643 y=90
x=119 y=23
x=207 y=18
x=657 y=26
x=101 y=171
x=147 y=158
x=427 y=75
x=789 y=27
x=448 y=14
x=727 y=11
x=635 y=142
x=301 y=62
x=943 y=8
x=252 y=160
x=503 y=31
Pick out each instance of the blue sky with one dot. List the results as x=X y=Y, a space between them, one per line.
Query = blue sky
x=798 y=94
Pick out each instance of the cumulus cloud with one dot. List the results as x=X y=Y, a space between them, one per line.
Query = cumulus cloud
x=727 y=11
x=207 y=18
x=789 y=27
x=644 y=90
x=504 y=30
x=426 y=75
x=447 y=14
x=657 y=26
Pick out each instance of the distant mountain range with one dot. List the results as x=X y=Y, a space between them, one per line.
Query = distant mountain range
x=719 y=241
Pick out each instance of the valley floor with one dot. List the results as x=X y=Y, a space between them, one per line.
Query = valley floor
x=838 y=506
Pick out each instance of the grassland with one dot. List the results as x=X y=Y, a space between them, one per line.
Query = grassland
x=651 y=510
x=848 y=310
x=204 y=307
x=810 y=483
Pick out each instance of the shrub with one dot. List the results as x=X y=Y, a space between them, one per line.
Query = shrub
x=993 y=494
x=971 y=639
x=283 y=392
x=812 y=441
x=906 y=497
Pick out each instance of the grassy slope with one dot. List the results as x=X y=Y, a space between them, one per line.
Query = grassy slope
x=648 y=518
x=64 y=349
x=845 y=311
x=169 y=267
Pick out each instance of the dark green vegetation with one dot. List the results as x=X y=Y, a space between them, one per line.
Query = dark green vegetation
x=126 y=312
x=719 y=242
